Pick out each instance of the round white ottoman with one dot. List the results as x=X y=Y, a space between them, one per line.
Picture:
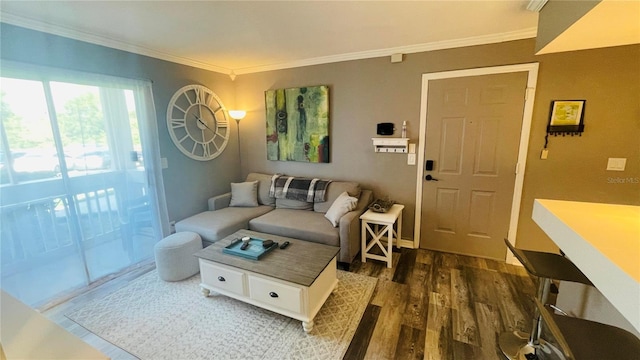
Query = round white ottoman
x=174 y=256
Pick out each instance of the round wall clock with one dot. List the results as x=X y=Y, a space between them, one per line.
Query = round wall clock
x=197 y=122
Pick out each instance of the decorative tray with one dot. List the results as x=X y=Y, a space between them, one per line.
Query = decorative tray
x=381 y=206
x=254 y=252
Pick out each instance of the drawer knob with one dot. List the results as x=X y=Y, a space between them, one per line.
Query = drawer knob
x=221 y=278
x=273 y=294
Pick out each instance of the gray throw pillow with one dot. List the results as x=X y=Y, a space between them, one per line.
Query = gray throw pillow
x=264 y=183
x=244 y=194
x=333 y=191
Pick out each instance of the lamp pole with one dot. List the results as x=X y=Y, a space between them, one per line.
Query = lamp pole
x=239 y=151
x=238 y=115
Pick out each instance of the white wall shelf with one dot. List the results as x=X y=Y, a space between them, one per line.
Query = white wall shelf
x=391 y=145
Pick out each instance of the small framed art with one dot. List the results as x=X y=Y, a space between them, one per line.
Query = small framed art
x=566 y=117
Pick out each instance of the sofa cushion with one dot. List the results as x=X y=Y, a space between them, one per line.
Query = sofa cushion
x=333 y=191
x=264 y=183
x=215 y=225
x=293 y=204
x=244 y=194
x=342 y=205
x=304 y=225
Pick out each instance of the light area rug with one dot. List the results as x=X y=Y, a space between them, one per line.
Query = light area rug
x=153 y=319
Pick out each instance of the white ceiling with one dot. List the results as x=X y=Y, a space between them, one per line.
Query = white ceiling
x=249 y=36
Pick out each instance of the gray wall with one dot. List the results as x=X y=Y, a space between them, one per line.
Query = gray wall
x=609 y=80
x=362 y=94
x=366 y=92
x=188 y=183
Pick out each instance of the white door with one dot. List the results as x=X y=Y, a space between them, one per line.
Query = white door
x=471 y=152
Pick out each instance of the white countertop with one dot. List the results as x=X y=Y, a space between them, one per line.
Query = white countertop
x=603 y=240
x=27 y=334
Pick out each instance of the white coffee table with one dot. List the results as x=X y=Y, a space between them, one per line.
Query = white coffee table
x=378 y=225
x=294 y=282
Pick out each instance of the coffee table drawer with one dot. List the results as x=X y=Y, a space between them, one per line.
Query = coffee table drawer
x=222 y=278
x=275 y=294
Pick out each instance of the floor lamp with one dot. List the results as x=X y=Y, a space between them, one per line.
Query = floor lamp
x=238 y=115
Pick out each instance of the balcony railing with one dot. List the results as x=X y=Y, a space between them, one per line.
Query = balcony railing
x=41 y=228
x=76 y=239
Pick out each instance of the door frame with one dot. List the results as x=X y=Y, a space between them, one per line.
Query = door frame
x=532 y=79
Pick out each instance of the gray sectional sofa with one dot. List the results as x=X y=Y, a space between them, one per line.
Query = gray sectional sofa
x=285 y=217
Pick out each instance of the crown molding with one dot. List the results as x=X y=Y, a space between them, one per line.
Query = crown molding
x=536 y=5
x=438 y=45
x=104 y=41
x=120 y=45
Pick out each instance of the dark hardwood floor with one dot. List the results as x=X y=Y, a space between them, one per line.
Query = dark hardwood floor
x=429 y=305
x=434 y=305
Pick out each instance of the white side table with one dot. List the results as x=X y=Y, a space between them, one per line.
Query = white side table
x=382 y=225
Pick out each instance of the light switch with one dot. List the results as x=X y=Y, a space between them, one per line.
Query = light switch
x=164 y=162
x=411 y=159
x=412 y=148
x=616 y=164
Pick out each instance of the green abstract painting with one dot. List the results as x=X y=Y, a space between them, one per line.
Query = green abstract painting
x=298 y=124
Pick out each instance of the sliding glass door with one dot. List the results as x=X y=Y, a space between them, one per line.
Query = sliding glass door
x=80 y=191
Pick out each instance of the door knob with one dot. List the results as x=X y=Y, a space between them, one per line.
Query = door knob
x=430 y=178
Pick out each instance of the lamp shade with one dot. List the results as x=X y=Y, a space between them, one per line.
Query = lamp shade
x=237 y=114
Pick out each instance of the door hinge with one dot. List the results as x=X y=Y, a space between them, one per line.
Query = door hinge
x=517 y=168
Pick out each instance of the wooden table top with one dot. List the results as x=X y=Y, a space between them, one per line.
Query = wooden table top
x=300 y=263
